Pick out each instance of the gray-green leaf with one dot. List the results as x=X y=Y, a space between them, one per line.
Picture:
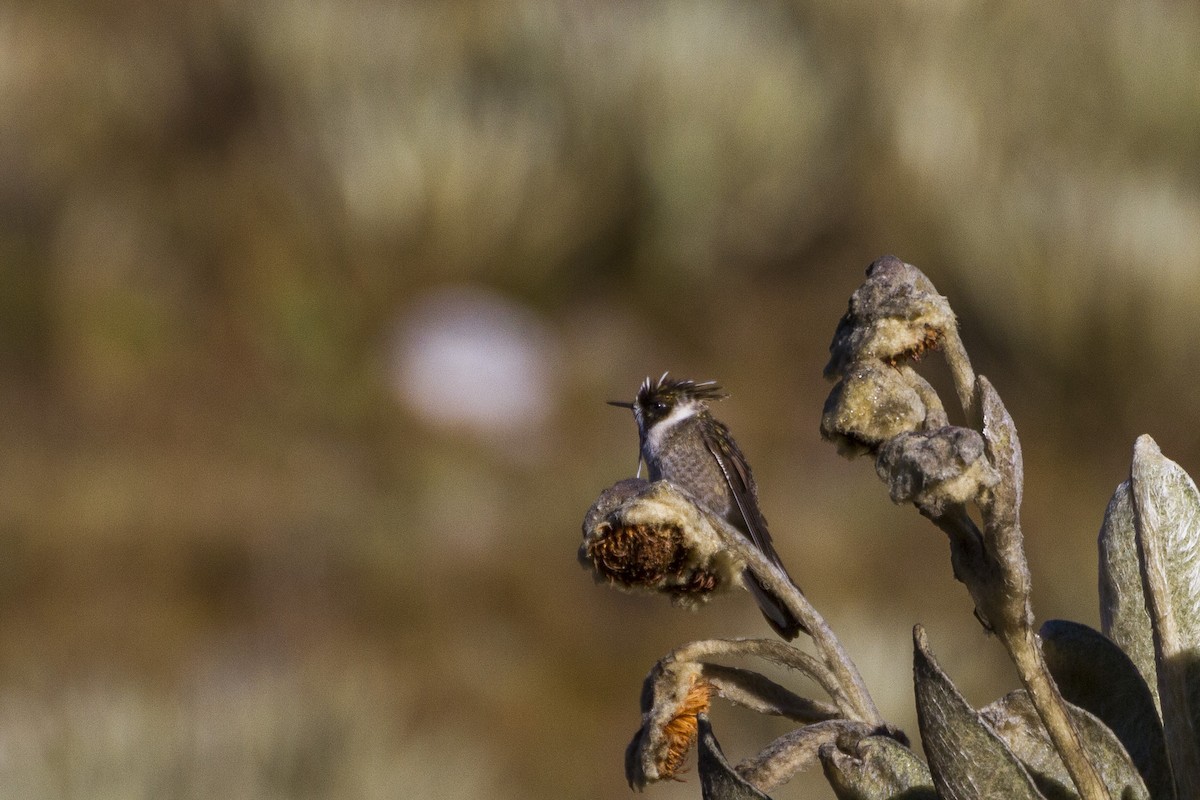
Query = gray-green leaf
x=1094 y=674
x=876 y=768
x=1167 y=520
x=1123 y=616
x=966 y=757
x=718 y=780
x=1017 y=722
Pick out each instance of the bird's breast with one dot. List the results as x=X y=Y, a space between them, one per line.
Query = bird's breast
x=691 y=467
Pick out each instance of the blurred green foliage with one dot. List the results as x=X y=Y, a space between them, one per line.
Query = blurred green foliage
x=225 y=534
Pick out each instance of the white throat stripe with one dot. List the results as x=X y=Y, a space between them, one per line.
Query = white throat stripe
x=678 y=414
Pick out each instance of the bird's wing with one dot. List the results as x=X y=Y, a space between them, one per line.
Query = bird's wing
x=741 y=484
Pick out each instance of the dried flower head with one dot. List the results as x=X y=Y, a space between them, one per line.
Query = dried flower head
x=647 y=556
x=641 y=535
x=675 y=695
x=679 y=734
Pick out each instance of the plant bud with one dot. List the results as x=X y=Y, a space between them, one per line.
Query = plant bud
x=894 y=316
x=936 y=469
x=874 y=402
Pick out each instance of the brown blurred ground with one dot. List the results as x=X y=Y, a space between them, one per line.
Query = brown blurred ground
x=258 y=538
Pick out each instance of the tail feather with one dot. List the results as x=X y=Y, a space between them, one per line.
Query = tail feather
x=778 y=615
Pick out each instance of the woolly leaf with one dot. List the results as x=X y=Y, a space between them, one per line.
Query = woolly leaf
x=1016 y=721
x=1167 y=519
x=876 y=768
x=797 y=750
x=966 y=757
x=718 y=780
x=1094 y=674
x=1123 y=617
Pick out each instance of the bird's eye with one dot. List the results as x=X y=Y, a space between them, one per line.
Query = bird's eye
x=660 y=408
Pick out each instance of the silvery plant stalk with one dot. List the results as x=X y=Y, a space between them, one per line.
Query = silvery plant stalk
x=1100 y=714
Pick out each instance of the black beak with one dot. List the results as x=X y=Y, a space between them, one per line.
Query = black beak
x=621 y=403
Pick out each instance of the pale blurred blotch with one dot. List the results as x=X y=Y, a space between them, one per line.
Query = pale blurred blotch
x=470 y=358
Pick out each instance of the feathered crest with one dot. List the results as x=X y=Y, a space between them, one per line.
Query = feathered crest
x=667 y=386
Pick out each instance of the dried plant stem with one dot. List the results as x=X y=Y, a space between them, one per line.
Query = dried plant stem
x=1026 y=654
x=783 y=654
x=794 y=751
x=829 y=647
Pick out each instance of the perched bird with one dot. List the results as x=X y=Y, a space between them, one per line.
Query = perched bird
x=682 y=443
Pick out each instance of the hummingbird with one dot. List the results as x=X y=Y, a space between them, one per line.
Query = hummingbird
x=683 y=443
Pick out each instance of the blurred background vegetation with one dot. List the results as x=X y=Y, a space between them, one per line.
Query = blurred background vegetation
x=308 y=311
